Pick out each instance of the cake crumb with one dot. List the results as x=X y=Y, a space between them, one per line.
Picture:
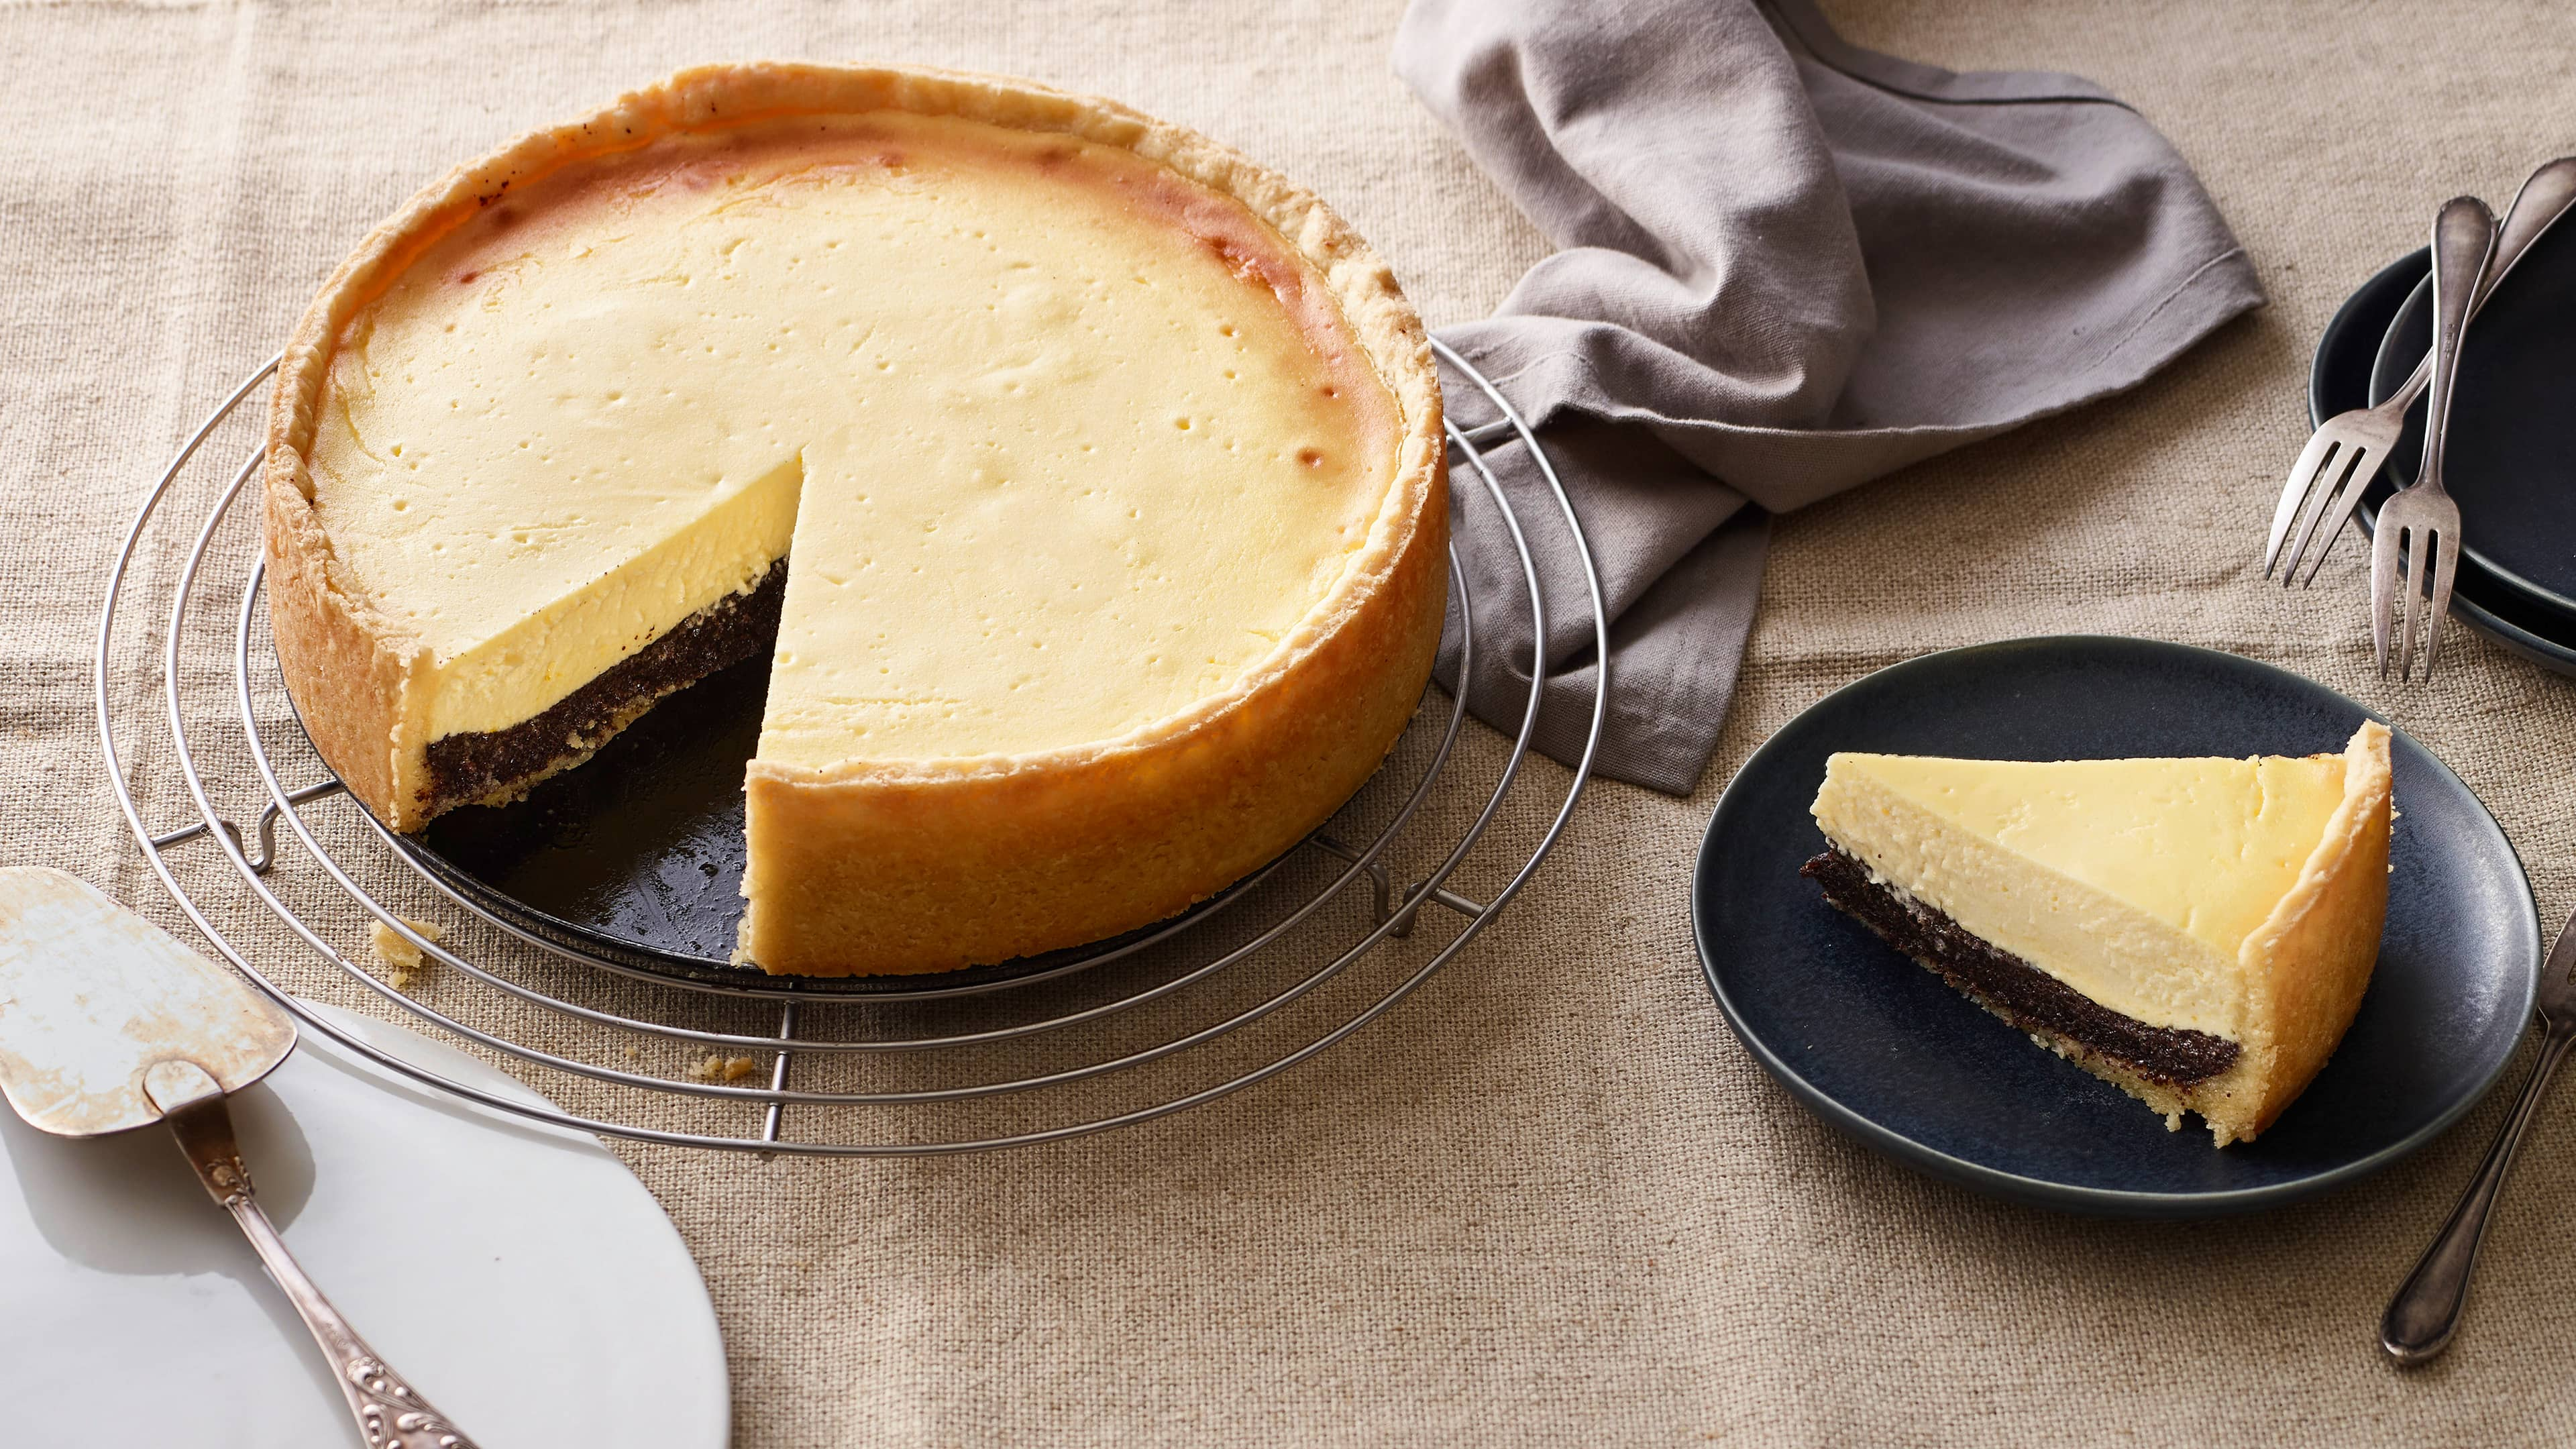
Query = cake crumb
x=727 y=1069
x=402 y=959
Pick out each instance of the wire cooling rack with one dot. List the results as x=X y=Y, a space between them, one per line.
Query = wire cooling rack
x=1268 y=974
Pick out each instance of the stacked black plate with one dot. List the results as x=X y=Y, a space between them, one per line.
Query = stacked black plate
x=2512 y=458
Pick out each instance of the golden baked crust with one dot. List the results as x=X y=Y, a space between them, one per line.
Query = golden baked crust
x=2312 y=960
x=942 y=863
x=2307 y=967
x=942 y=866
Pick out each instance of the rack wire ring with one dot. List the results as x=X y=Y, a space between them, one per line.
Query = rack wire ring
x=1394 y=914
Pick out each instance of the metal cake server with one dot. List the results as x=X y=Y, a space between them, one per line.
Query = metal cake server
x=107 y=1023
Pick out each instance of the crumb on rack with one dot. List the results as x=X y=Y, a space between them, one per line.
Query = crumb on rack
x=725 y=1069
x=401 y=957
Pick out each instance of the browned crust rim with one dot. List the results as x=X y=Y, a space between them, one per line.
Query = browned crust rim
x=353 y=662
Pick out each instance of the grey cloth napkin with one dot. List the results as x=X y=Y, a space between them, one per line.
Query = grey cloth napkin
x=1787 y=266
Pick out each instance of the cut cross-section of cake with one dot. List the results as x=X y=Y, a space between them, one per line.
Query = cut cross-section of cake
x=2198 y=932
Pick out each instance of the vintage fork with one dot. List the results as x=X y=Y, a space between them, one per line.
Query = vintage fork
x=2421 y=524
x=2346 y=453
x=2426 y=1309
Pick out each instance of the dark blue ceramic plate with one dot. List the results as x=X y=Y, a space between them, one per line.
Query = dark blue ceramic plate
x=1882 y=1049
x=2339 y=379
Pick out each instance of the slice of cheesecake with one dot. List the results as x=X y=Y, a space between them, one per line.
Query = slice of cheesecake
x=2197 y=932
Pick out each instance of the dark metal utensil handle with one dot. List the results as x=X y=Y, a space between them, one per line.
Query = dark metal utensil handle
x=2426 y=1311
x=2463 y=239
x=2545 y=196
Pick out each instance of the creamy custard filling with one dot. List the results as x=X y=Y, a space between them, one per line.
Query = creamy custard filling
x=2136 y=882
x=1063 y=443
x=2012 y=988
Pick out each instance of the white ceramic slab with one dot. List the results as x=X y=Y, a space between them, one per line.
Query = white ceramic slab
x=518 y=1274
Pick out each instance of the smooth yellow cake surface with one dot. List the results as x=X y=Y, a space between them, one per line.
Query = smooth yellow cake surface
x=2136 y=882
x=1052 y=467
x=1105 y=465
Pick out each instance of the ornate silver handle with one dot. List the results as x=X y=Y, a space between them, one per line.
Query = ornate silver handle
x=390 y=1413
x=2426 y=1311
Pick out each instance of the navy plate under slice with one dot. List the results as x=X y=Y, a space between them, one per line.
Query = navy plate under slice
x=1883 y=1049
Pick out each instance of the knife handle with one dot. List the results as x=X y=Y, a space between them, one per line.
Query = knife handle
x=2426 y=1309
x=390 y=1413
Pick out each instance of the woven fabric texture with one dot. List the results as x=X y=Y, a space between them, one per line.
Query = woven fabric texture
x=1549 y=1200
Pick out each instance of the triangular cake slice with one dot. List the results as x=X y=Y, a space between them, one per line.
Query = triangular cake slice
x=2196 y=931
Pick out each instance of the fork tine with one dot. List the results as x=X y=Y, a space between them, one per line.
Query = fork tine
x=2298 y=495
x=2417 y=543
x=2315 y=482
x=2383 y=587
x=2446 y=555
x=2360 y=467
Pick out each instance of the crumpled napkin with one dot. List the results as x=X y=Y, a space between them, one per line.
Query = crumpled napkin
x=1786 y=266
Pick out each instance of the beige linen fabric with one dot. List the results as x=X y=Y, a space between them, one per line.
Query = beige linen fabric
x=1549 y=1200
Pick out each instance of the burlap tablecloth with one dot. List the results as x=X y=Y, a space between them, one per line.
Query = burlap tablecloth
x=1549 y=1200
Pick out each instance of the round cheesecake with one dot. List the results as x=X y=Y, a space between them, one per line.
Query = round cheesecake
x=1081 y=480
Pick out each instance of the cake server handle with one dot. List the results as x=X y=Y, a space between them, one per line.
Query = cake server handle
x=390 y=1414
x=2426 y=1310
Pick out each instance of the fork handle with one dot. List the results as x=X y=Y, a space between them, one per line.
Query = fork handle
x=2546 y=195
x=2463 y=237
x=2426 y=1310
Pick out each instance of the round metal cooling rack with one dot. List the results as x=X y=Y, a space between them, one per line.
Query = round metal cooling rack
x=1264 y=976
